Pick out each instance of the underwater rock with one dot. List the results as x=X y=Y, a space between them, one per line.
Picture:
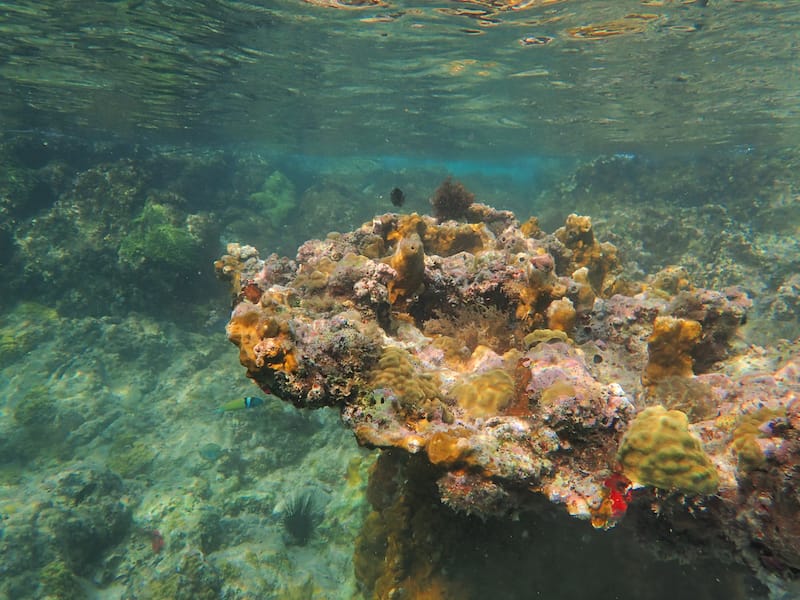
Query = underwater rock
x=62 y=533
x=516 y=367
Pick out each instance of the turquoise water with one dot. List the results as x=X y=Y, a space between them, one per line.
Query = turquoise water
x=139 y=137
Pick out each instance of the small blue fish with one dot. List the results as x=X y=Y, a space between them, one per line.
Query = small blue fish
x=240 y=404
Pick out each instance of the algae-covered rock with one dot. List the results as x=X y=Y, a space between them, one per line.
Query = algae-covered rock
x=659 y=450
x=129 y=456
x=94 y=518
x=276 y=199
x=194 y=579
x=37 y=412
x=58 y=582
x=157 y=236
x=22 y=328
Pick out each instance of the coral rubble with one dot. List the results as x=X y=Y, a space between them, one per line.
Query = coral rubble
x=517 y=363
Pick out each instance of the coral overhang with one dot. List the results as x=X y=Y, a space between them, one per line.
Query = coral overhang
x=582 y=351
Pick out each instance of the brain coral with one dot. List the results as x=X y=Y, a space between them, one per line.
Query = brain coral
x=659 y=450
x=396 y=372
x=485 y=394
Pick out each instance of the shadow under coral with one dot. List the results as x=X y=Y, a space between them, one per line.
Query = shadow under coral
x=412 y=546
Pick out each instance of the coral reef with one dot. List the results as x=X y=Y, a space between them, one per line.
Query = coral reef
x=408 y=261
x=550 y=406
x=728 y=220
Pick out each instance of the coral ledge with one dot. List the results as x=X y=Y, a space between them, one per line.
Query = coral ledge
x=519 y=363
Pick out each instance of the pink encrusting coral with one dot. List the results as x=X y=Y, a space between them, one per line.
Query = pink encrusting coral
x=520 y=363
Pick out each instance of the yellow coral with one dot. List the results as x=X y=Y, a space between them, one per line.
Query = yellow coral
x=670 y=347
x=539 y=336
x=396 y=372
x=585 y=296
x=670 y=280
x=600 y=259
x=561 y=315
x=659 y=450
x=446 y=240
x=245 y=330
x=408 y=261
x=557 y=391
x=445 y=449
x=530 y=228
x=485 y=394
x=262 y=341
x=744 y=438
x=442 y=240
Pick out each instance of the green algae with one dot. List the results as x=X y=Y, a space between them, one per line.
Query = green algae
x=276 y=199
x=37 y=410
x=157 y=237
x=28 y=324
x=130 y=456
x=299 y=591
x=58 y=582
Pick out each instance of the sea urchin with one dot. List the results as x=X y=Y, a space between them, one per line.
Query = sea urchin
x=301 y=516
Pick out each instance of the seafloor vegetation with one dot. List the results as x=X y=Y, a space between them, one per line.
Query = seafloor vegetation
x=120 y=479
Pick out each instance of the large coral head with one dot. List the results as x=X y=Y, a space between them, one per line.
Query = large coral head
x=659 y=450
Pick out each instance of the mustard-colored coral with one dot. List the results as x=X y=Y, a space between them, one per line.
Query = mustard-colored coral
x=485 y=394
x=561 y=315
x=452 y=239
x=443 y=240
x=262 y=341
x=659 y=450
x=670 y=347
x=749 y=454
x=540 y=336
x=245 y=330
x=670 y=280
x=556 y=392
x=408 y=261
x=530 y=228
x=446 y=449
x=600 y=259
x=396 y=372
